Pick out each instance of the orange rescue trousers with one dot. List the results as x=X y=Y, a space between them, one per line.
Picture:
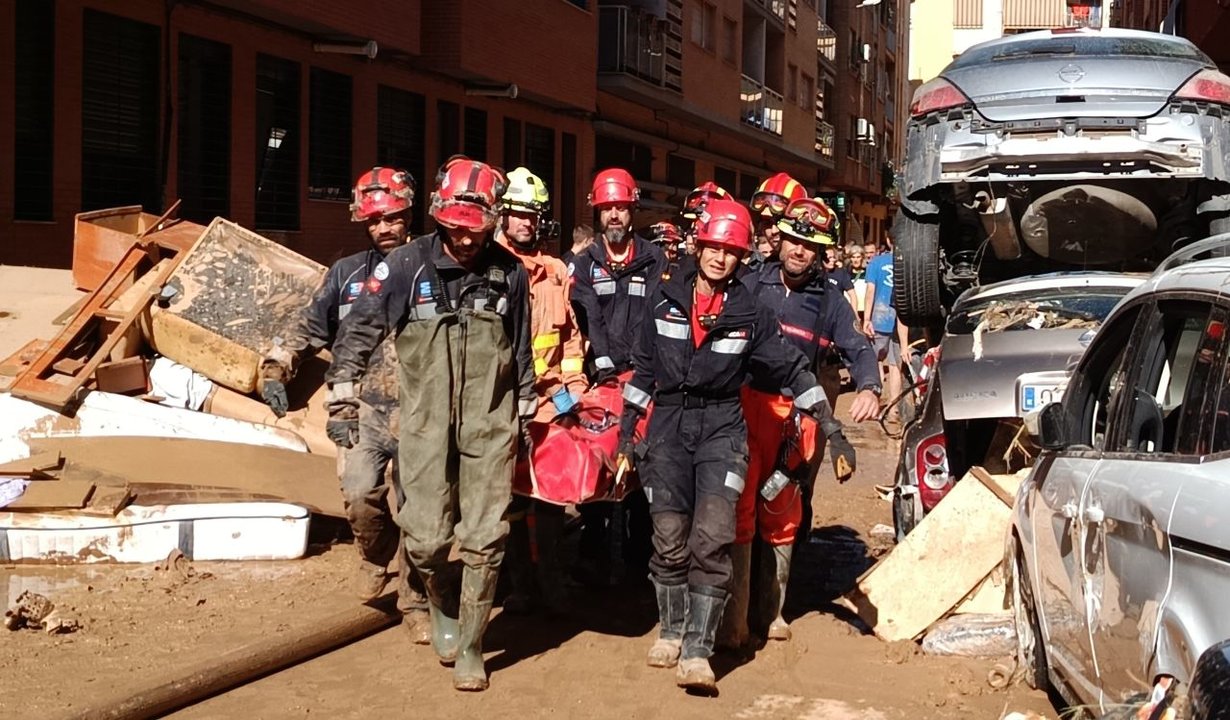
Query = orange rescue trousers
x=777 y=520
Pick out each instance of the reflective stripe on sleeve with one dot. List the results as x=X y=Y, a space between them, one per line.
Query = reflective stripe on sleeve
x=730 y=346
x=636 y=396
x=571 y=365
x=814 y=396
x=527 y=407
x=735 y=481
x=540 y=366
x=604 y=363
x=546 y=340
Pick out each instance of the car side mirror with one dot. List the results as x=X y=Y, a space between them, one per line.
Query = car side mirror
x=1052 y=427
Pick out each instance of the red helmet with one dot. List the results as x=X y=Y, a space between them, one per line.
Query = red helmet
x=775 y=193
x=725 y=223
x=381 y=191
x=665 y=233
x=467 y=194
x=613 y=186
x=698 y=198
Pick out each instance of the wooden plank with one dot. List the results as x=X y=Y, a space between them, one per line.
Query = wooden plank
x=38 y=465
x=68 y=366
x=124 y=376
x=107 y=500
x=1004 y=486
x=937 y=565
x=990 y=597
x=286 y=475
x=66 y=494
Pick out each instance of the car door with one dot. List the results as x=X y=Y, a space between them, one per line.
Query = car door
x=1060 y=481
x=1125 y=513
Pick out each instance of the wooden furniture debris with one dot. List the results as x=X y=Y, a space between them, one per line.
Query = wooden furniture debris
x=54 y=378
x=234 y=292
x=101 y=237
x=284 y=475
x=37 y=466
x=946 y=560
x=129 y=376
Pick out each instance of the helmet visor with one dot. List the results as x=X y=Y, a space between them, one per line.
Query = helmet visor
x=768 y=204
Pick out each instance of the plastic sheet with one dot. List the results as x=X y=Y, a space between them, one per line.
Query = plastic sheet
x=972 y=635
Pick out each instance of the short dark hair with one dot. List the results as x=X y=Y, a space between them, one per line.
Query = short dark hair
x=580 y=233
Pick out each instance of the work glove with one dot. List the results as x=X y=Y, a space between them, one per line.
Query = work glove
x=625 y=458
x=343 y=425
x=525 y=441
x=565 y=402
x=273 y=392
x=606 y=376
x=841 y=452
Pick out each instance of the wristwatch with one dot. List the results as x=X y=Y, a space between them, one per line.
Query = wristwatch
x=876 y=389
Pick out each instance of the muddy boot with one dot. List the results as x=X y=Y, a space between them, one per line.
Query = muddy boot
x=520 y=568
x=418 y=626
x=704 y=613
x=732 y=633
x=775 y=575
x=370 y=580
x=548 y=528
x=412 y=601
x=442 y=599
x=672 y=608
x=477 y=592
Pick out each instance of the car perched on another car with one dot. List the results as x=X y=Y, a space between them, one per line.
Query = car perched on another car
x=1119 y=546
x=1058 y=150
x=1006 y=351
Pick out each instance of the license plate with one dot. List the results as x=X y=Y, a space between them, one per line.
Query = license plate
x=1037 y=396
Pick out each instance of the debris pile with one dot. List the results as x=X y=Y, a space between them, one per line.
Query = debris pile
x=37 y=612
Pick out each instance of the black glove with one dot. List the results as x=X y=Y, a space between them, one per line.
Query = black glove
x=343 y=425
x=274 y=394
x=525 y=441
x=842 y=454
x=606 y=376
x=625 y=454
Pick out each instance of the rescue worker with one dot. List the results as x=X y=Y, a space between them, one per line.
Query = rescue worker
x=703 y=334
x=768 y=203
x=382 y=201
x=458 y=305
x=612 y=281
x=559 y=382
x=666 y=236
x=813 y=318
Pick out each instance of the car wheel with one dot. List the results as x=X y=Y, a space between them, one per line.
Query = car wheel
x=1031 y=656
x=916 y=271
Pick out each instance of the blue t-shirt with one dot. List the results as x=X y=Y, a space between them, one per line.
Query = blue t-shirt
x=880 y=272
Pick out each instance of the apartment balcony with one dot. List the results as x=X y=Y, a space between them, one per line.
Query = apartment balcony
x=826 y=139
x=775 y=8
x=826 y=44
x=638 y=58
x=762 y=107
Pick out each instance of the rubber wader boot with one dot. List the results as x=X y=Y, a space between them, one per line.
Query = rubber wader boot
x=548 y=528
x=442 y=597
x=732 y=633
x=704 y=613
x=775 y=576
x=477 y=592
x=520 y=568
x=672 y=609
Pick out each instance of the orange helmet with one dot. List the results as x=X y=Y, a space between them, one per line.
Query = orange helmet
x=775 y=193
x=381 y=191
x=725 y=223
x=468 y=194
x=809 y=220
x=698 y=198
x=614 y=186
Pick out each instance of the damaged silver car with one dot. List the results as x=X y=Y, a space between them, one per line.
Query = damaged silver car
x=1059 y=150
x=1120 y=537
x=1006 y=351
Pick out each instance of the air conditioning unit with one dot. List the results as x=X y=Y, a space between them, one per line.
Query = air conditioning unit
x=866 y=52
x=862 y=127
x=871 y=135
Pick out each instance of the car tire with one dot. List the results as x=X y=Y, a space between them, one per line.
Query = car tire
x=916 y=271
x=1031 y=657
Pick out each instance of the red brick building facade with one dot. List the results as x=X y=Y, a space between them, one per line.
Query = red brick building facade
x=264 y=111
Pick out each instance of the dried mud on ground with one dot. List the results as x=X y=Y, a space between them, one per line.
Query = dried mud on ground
x=139 y=622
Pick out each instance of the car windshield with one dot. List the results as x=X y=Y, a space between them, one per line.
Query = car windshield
x=1080 y=45
x=1070 y=307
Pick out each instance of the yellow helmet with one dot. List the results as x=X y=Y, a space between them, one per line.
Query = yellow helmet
x=526 y=192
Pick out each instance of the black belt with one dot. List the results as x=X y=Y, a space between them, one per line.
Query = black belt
x=687 y=400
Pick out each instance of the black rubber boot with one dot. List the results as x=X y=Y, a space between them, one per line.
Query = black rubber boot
x=548 y=529
x=733 y=633
x=477 y=593
x=519 y=565
x=672 y=610
x=705 y=606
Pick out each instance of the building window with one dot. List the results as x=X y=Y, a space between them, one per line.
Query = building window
x=278 y=87
x=807 y=92
x=967 y=14
x=704 y=24
x=400 y=127
x=852 y=143
x=726 y=178
x=747 y=186
x=120 y=107
x=329 y=137
x=730 y=40
x=203 y=180
x=512 y=143
x=792 y=82
x=448 y=129
x=856 y=51
x=540 y=153
x=612 y=152
x=680 y=171
x=476 y=133
x=34 y=105
x=565 y=206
